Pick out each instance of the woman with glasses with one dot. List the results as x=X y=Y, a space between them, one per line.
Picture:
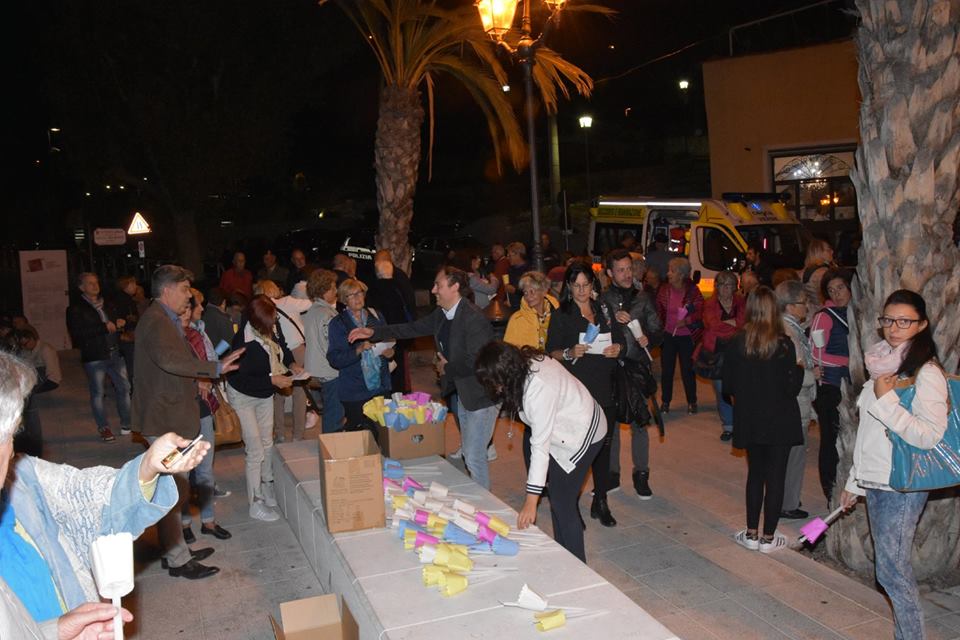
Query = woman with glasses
x=528 y=327
x=723 y=316
x=355 y=388
x=906 y=351
x=580 y=307
x=831 y=354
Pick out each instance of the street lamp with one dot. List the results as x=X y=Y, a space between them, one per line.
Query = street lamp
x=585 y=123
x=497 y=18
x=684 y=85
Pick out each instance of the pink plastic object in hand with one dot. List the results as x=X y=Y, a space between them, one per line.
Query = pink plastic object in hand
x=813 y=530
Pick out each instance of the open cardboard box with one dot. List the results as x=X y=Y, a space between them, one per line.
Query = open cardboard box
x=351 y=481
x=418 y=441
x=324 y=617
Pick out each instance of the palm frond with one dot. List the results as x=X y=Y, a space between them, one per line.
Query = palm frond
x=551 y=74
x=488 y=94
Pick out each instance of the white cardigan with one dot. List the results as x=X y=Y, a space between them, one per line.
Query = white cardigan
x=564 y=420
x=923 y=427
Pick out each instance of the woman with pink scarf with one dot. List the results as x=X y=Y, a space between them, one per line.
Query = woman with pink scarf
x=906 y=351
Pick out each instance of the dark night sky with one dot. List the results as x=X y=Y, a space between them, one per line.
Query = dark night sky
x=328 y=121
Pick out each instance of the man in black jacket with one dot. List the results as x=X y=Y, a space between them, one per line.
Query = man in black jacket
x=460 y=330
x=93 y=325
x=630 y=304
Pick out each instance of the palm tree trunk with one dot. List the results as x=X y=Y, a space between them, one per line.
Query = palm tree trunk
x=397 y=161
x=907 y=190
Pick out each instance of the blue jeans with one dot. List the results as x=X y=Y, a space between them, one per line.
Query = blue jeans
x=97 y=372
x=893 y=522
x=332 y=407
x=202 y=478
x=724 y=408
x=476 y=427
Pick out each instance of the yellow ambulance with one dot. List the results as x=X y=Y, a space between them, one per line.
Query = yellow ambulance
x=713 y=234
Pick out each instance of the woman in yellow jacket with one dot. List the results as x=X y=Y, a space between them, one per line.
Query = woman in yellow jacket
x=528 y=325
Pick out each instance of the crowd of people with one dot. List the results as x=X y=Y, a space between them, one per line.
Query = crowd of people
x=578 y=350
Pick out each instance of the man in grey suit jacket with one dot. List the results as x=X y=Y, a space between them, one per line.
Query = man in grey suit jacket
x=165 y=396
x=460 y=330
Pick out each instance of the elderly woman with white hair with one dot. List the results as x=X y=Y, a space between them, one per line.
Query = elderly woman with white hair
x=680 y=307
x=51 y=513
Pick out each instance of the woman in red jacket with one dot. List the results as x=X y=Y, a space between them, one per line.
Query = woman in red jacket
x=723 y=316
x=680 y=306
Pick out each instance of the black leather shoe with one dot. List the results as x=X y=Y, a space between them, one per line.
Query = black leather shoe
x=726 y=436
x=794 y=514
x=193 y=570
x=665 y=407
x=692 y=408
x=600 y=510
x=188 y=536
x=216 y=531
x=199 y=555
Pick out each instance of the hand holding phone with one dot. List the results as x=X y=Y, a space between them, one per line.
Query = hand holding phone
x=175 y=456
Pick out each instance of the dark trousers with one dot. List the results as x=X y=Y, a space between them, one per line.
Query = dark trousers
x=827 y=405
x=564 y=502
x=766 y=472
x=601 y=464
x=677 y=347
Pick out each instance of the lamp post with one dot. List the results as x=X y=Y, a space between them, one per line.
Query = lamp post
x=497 y=18
x=585 y=123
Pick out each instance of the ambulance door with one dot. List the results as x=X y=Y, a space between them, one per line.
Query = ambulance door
x=713 y=249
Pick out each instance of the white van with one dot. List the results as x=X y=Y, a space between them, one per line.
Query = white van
x=713 y=234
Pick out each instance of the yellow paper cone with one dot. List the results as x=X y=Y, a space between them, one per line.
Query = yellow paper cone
x=436 y=522
x=432 y=574
x=452 y=583
x=550 y=619
x=499 y=526
x=399 y=501
x=456 y=548
x=459 y=562
x=409 y=538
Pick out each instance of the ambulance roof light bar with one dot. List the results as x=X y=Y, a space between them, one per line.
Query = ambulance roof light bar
x=651 y=203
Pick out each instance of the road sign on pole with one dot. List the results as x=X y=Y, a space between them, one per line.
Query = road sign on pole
x=139 y=224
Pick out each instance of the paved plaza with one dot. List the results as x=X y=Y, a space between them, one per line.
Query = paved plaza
x=673 y=554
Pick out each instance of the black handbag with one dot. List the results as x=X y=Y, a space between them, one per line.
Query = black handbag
x=709 y=364
x=634 y=384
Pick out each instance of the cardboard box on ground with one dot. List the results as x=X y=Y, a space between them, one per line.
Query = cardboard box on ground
x=351 y=481
x=324 y=617
x=418 y=441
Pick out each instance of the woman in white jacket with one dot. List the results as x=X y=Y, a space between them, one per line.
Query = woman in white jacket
x=567 y=428
x=907 y=350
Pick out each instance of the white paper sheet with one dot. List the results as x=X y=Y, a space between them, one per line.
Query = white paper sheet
x=603 y=341
x=380 y=347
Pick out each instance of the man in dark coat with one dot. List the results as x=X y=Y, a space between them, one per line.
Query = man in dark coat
x=460 y=330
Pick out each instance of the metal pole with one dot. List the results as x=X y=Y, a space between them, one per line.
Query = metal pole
x=586 y=147
x=527 y=54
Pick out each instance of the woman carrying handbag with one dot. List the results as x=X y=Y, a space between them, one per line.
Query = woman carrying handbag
x=907 y=350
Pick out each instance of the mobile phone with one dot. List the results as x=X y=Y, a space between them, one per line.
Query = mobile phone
x=176 y=455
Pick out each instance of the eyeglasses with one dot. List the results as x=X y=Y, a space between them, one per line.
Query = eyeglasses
x=581 y=287
x=354 y=294
x=902 y=323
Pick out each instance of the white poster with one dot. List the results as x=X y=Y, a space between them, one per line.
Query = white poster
x=43 y=279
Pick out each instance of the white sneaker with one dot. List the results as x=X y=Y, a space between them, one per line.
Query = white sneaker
x=456 y=454
x=125 y=431
x=259 y=511
x=491 y=453
x=779 y=542
x=748 y=542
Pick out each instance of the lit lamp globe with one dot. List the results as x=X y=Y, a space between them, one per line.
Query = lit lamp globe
x=586 y=122
x=684 y=85
x=497 y=16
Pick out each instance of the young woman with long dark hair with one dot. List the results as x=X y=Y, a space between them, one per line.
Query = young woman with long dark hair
x=906 y=351
x=760 y=371
x=567 y=431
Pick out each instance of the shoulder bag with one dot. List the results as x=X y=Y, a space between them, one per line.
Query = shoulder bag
x=915 y=469
x=226 y=422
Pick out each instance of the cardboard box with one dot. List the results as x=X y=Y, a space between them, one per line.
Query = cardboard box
x=351 y=481
x=318 y=618
x=416 y=442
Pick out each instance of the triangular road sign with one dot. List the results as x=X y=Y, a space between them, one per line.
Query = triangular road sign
x=139 y=225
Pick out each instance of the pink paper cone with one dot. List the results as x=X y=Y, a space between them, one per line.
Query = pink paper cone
x=813 y=529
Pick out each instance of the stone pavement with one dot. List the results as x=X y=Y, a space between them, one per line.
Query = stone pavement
x=673 y=554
